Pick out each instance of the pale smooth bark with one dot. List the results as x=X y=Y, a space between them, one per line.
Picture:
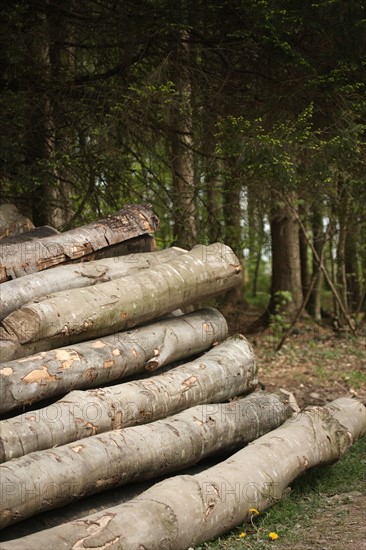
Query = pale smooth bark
x=81 y=314
x=225 y=371
x=16 y=293
x=131 y=221
x=96 y=362
x=58 y=476
x=186 y=510
x=12 y=222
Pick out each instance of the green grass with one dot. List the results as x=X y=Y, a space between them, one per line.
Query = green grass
x=296 y=510
x=355 y=379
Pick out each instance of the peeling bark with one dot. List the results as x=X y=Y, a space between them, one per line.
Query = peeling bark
x=186 y=510
x=98 y=362
x=223 y=372
x=58 y=476
x=131 y=221
x=14 y=294
x=81 y=314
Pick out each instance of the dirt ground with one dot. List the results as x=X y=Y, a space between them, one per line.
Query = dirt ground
x=317 y=365
x=340 y=525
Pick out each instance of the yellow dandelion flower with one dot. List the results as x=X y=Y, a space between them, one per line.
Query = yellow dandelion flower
x=242 y=535
x=273 y=535
x=254 y=511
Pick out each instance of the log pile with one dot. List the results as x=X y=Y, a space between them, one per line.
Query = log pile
x=106 y=381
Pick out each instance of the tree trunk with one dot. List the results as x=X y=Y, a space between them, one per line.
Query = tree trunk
x=98 y=362
x=341 y=267
x=16 y=293
x=353 y=238
x=80 y=314
x=79 y=509
x=61 y=475
x=127 y=223
x=223 y=372
x=184 y=208
x=213 y=215
x=45 y=37
x=12 y=222
x=304 y=263
x=256 y=236
x=232 y=228
x=286 y=269
x=184 y=510
x=232 y=208
x=314 y=307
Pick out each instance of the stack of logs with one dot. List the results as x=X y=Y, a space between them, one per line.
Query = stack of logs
x=87 y=318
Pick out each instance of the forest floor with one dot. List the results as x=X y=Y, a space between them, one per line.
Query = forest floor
x=326 y=508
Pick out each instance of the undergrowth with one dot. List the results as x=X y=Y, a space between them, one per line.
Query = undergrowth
x=292 y=516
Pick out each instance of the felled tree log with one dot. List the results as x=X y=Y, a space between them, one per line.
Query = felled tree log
x=142 y=243
x=16 y=293
x=28 y=236
x=79 y=508
x=223 y=372
x=131 y=221
x=81 y=314
x=12 y=222
x=98 y=362
x=186 y=510
x=56 y=477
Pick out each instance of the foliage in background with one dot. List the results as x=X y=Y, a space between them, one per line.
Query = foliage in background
x=214 y=112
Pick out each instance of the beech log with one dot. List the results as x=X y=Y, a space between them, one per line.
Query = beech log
x=225 y=371
x=58 y=476
x=28 y=236
x=81 y=314
x=96 y=362
x=184 y=510
x=19 y=260
x=16 y=293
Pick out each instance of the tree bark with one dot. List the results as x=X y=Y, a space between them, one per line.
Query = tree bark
x=80 y=508
x=304 y=263
x=223 y=372
x=232 y=208
x=314 y=307
x=12 y=222
x=352 y=261
x=28 y=236
x=81 y=314
x=286 y=269
x=183 y=510
x=184 y=193
x=131 y=221
x=142 y=243
x=16 y=293
x=341 y=266
x=211 y=180
x=98 y=362
x=58 y=476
